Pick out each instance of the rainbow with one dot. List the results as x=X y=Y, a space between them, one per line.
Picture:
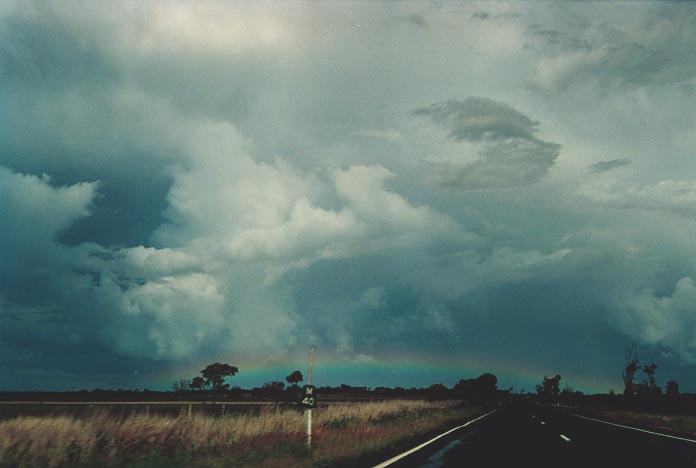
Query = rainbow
x=400 y=369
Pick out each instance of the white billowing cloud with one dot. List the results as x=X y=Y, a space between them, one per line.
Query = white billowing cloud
x=224 y=192
x=255 y=211
x=252 y=129
x=363 y=189
x=668 y=322
x=309 y=231
x=224 y=208
x=181 y=312
x=235 y=226
x=151 y=260
x=34 y=211
x=183 y=299
x=182 y=303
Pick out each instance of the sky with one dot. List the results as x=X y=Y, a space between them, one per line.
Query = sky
x=425 y=191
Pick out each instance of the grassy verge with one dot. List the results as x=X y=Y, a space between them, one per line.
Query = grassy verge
x=685 y=424
x=270 y=438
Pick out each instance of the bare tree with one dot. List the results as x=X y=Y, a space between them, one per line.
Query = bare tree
x=181 y=386
x=629 y=372
x=650 y=373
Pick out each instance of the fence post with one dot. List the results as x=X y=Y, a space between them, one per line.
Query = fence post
x=309 y=410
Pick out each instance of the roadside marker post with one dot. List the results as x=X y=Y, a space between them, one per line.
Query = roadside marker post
x=309 y=397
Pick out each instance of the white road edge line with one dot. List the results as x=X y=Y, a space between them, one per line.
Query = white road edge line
x=635 y=428
x=415 y=449
x=567 y=439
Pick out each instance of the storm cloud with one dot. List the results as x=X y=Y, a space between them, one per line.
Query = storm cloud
x=234 y=181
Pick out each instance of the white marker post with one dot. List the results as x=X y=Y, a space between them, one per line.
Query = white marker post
x=309 y=410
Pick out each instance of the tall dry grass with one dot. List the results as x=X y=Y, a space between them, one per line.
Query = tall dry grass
x=269 y=438
x=675 y=422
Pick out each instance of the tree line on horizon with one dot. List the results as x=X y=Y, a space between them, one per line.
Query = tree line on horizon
x=213 y=381
x=645 y=394
x=648 y=388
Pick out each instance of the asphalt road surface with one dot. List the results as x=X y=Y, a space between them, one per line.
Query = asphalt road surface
x=529 y=436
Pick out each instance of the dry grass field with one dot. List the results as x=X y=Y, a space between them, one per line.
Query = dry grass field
x=271 y=437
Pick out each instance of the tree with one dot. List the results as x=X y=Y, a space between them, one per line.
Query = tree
x=650 y=383
x=550 y=388
x=215 y=374
x=642 y=391
x=273 y=390
x=198 y=383
x=181 y=385
x=437 y=392
x=294 y=378
x=629 y=373
x=672 y=389
x=569 y=395
x=483 y=388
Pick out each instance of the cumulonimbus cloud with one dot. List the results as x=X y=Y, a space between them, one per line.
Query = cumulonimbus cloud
x=664 y=321
x=240 y=208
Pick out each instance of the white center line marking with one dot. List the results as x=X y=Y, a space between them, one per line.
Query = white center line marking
x=567 y=439
x=409 y=452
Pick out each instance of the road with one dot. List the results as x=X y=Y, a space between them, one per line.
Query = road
x=530 y=436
